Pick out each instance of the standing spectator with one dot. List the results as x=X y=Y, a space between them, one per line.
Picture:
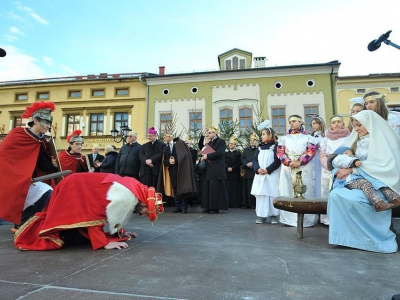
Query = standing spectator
x=193 y=152
x=72 y=158
x=109 y=162
x=95 y=157
x=233 y=180
x=215 y=174
x=336 y=136
x=249 y=201
x=150 y=156
x=177 y=178
x=376 y=102
x=128 y=163
x=24 y=155
x=266 y=164
x=318 y=132
x=296 y=150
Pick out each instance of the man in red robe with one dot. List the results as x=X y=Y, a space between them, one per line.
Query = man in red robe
x=81 y=205
x=24 y=154
x=72 y=158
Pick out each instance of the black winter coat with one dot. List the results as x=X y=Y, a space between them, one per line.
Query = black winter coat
x=109 y=162
x=128 y=163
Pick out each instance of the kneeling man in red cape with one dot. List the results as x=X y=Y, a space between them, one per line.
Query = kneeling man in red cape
x=81 y=205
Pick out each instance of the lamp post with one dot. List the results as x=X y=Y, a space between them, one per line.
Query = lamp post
x=124 y=129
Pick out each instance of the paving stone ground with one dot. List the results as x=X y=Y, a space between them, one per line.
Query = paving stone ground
x=202 y=256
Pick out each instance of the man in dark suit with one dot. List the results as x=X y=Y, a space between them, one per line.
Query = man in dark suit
x=215 y=174
x=93 y=157
x=150 y=155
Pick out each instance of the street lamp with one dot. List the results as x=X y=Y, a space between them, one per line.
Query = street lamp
x=124 y=132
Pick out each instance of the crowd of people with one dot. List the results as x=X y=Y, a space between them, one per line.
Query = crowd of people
x=336 y=161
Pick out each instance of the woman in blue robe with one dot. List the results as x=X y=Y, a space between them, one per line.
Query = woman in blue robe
x=353 y=220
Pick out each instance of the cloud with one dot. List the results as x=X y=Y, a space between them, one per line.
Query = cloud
x=31 y=12
x=69 y=70
x=10 y=38
x=48 y=61
x=16 y=17
x=19 y=66
x=15 y=30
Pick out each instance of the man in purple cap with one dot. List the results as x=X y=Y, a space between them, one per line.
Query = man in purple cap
x=150 y=156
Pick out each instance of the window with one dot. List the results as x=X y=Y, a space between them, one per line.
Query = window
x=120 y=119
x=20 y=122
x=310 y=83
x=96 y=124
x=73 y=123
x=225 y=117
x=228 y=64
x=165 y=121
x=74 y=94
x=42 y=96
x=279 y=120
x=394 y=89
x=21 y=97
x=122 y=92
x=361 y=91
x=309 y=110
x=235 y=63
x=245 y=120
x=98 y=93
x=165 y=91
x=394 y=107
x=278 y=85
x=242 y=64
x=195 y=123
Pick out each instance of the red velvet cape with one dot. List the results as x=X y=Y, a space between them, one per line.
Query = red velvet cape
x=70 y=162
x=19 y=152
x=78 y=201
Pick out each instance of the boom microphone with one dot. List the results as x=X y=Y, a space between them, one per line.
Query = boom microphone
x=2 y=52
x=375 y=44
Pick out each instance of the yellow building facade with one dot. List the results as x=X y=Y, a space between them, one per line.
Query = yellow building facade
x=94 y=104
x=350 y=87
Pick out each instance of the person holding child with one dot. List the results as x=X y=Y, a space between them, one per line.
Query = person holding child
x=353 y=220
x=296 y=150
x=343 y=157
x=266 y=165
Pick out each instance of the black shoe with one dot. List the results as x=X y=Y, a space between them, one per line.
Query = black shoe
x=184 y=211
x=177 y=210
x=213 y=211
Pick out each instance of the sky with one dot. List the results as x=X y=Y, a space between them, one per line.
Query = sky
x=46 y=39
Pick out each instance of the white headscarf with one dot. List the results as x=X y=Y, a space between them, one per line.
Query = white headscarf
x=383 y=160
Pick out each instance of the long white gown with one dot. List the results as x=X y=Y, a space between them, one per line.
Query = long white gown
x=296 y=145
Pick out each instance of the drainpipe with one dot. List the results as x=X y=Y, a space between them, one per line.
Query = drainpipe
x=147 y=103
x=333 y=92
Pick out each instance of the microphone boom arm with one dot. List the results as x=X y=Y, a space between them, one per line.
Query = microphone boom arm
x=387 y=42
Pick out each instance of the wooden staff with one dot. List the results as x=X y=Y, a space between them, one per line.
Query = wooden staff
x=54 y=154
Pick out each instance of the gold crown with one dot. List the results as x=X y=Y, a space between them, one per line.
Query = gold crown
x=253 y=136
x=233 y=140
x=213 y=129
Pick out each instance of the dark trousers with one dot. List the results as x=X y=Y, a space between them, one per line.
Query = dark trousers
x=34 y=208
x=180 y=202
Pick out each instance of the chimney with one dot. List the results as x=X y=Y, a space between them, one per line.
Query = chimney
x=259 y=62
x=161 y=70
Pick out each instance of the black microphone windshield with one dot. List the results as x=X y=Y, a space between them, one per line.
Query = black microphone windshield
x=373 y=46
x=2 y=52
